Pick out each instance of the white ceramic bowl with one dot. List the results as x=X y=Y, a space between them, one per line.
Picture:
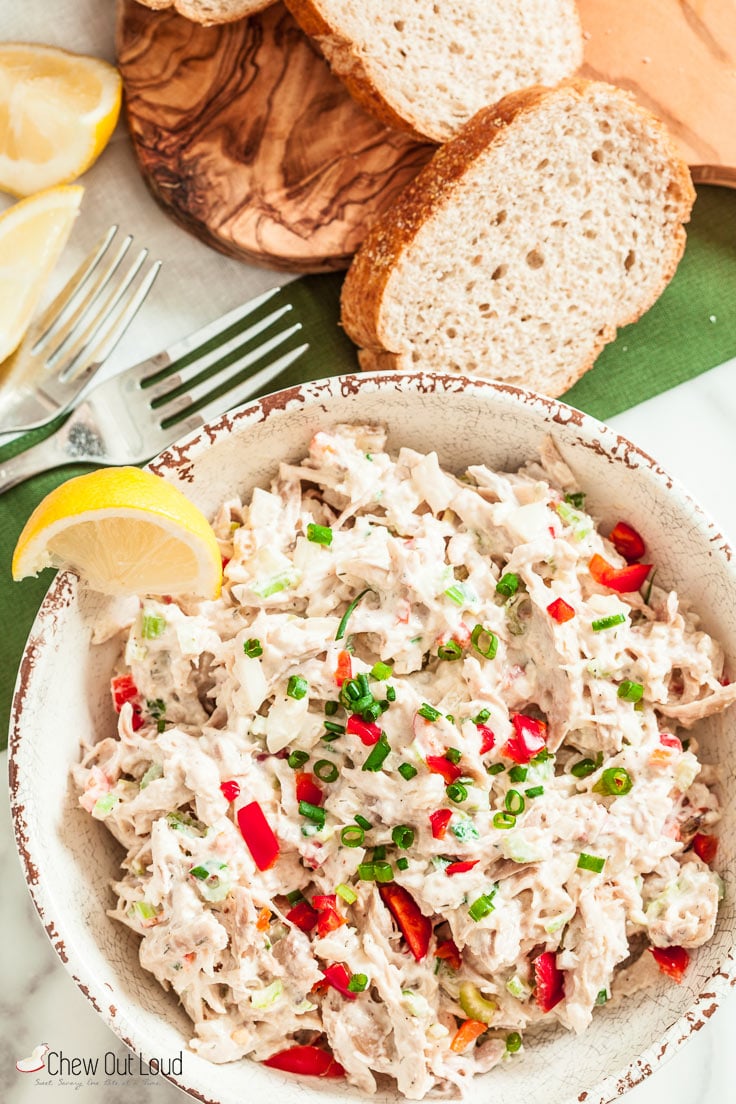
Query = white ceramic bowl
x=62 y=695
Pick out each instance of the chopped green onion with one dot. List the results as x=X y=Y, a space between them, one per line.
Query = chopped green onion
x=514 y=802
x=352 y=836
x=381 y=671
x=297 y=759
x=379 y=751
x=383 y=871
x=379 y=852
x=330 y=737
x=508 y=584
x=358 y=983
x=264 y=998
x=391 y=693
x=275 y=584
x=407 y=771
x=583 y=768
x=201 y=872
x=363 y=684
x=486 y=648
x=609 y=622
x=152 y=626
x=534 y=791
x=513 y=1042
x=402 y=863
x=630 y=691
x=482 y=717
x=104 y=805
x=352 y=689
x=590 y=862
x=364 y=824
x=325 y=770
x=450 y=650
x=542 y=756
x=335 y=726
x=319 y=534
x=253 y=648
x=454 y=755
x=348 y=612
x=463 y=829
x=384 y=704
x=483 y=906
x=429 y=712
x=602 y=997
x=576 y=499
x=450 y=717
x=313 y=813
x=403 y=836
x=518 y=774
x=153 y=772
x=461 y=595
x=297 y=688
x=504 y=820
x=331 y=708
x=141 y=910
x=615 y=781
x=348 y=895
x=365 y=701
x=648 y=594
x=372 y=712
x=456 y=792
x=294 y=896
x=495 y=768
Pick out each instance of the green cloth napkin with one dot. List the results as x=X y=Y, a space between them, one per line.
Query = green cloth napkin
x=690 y=329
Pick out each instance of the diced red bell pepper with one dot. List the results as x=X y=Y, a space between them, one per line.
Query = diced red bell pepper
x=450 y=952
x=258 y=835
x=667 y=740
x=439 y=821
x=627 y=542
x=672 y=961
x=369 y=733
x=439 y=764
x=415 y=927
x=550 y=987
x=303 y=916
x=466 y=1034
x=339 y=977
x=487 y=738
x=329 y=920
x=324 y=901
x=560 y=611
x=344 y=669
x=309 y=1061
x=528 y=740
x=461 y=867
x=623 y=580
x=705 y=847
x=125 y=690
x=230 y=789
x=307 y=789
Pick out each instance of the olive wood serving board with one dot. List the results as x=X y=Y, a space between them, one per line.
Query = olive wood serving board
x=245 y=137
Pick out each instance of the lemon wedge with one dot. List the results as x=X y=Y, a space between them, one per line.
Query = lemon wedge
x=57 y=112
x=32 y=236
x=124 y=531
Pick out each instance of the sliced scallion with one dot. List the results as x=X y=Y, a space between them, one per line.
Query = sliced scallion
x=508 y=584
x=364 y=824
x=313 y=813
x=429 y=712
x=348 y=613
x=534 y=791
x=451 y=650
x=348 y=895
x=358 y=983
x=253 y=648
x=482 y=907
x=513 y=1042
x=325 y=770
x=614 y=781
x=518 y=773
x=352 y=836
x=297 y=759
x=378 y=754
x=391 y=693
x=454 y=755
x=495 y=768
x=331 y=708
x=402 y=863
x=381 y=671
x=484 y=641
x=590 y=862
x=514 y=803
x=610 y=622
x=504 y=820
x=457 y=792
x=297 y=687
x=630 y=691
x=403 y=836
x=319 y=534
x=407 y=771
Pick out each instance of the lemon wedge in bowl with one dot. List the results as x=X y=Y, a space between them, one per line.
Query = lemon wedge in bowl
x=124 y=531
x=32 y=235
x=57 y=112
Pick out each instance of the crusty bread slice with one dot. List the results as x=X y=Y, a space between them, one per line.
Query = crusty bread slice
x=427 y=67
x=209 y=12
x=553 y=218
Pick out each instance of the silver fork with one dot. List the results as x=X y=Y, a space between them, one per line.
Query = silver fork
x=76 y=333
x=137 y=413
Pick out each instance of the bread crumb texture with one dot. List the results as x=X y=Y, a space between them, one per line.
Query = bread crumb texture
x=429 y=65
x=209 y=12
x=554 y=218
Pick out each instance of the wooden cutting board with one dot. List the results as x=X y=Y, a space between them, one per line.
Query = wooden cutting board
x=246 y=139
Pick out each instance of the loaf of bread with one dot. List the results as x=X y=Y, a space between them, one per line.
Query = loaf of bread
x=427 y=67
x=553 y=218
x=210 y=11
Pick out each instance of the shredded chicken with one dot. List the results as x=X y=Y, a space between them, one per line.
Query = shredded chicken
x=385 y=678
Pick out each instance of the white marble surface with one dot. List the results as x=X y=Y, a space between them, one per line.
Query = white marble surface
x=689 y=430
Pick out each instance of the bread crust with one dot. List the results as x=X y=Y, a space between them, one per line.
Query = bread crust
x=348 y=65
x=189 y=9
x=434 y=188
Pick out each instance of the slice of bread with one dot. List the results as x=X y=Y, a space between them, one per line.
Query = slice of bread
x=209 y=12
x=427 y=67
x=553 y=218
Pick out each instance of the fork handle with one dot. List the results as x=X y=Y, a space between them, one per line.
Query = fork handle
x=50 y=453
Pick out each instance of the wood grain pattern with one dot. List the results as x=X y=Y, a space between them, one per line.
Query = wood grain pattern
x=678 y=57
x=245 y=137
